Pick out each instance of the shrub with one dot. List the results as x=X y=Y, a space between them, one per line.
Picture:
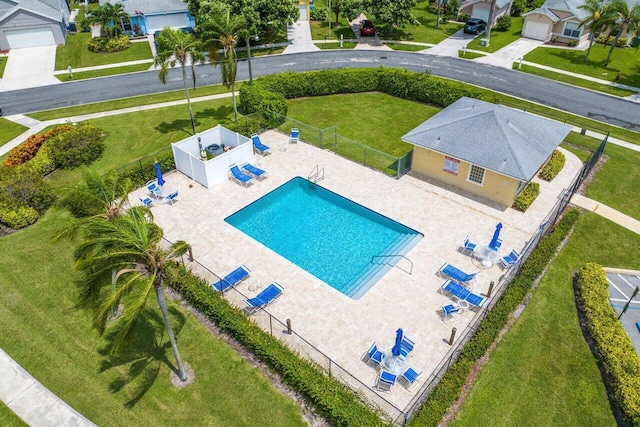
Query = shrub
x=108 y=45
x=572 y=43
x=526 y=196
x=18 y=217
x=336 y=402
x=23 y=186
x=43 y=163
x=82 y=145
x=142 y=171
x=615 y=348
x=553 y=166
x=464 y=17
x=518 y=7
x=319 y=14
x=272 y=90
x=503 y=23
x=28 y=149
x=448 y=389
x=607 y=40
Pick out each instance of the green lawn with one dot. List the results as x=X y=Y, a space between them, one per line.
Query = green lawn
x=575 y=81
x=48 y=335
x=426 y=32
x=129 y=102
x=500 y=39
x=9 y=130
x=8 y=418
x=135 y=135
x=543 y=372
x=407 y=47
x=469 y=55
x=76 y=54
x=345 y=45
x=624 y=62
x=103 y=72
x=320 y=30
x=386 y=118
x=3 y=64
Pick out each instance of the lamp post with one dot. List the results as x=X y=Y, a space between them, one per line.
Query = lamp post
x=256 y=38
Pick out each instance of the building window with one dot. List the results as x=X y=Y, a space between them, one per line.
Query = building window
x=572 y=29
x=125 y=24
x=476 y=174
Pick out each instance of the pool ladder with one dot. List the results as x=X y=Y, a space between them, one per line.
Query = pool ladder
x=316 y=174
x=396 y=265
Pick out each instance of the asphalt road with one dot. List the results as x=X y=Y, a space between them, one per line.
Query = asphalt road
x=587 y=103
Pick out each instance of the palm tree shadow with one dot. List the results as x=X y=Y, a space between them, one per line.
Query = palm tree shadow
x=222 y=113
x=144 y=356
x=178 y=125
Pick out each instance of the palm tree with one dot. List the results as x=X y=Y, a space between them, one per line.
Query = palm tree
x=626 y=19
x=117 y=14
x=224 y=33
x=600 y=14
x=101 y=16
x=131 y=244
x=177 y=47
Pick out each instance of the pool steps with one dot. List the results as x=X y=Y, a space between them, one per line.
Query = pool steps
x=374 y=271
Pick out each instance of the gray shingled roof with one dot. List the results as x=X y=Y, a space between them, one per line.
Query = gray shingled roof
x=39 y=7
x=544 y=11
x=494 y=137
x=571 y=6
x=150 y=7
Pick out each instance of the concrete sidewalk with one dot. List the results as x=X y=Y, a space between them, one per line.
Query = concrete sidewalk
x=33 y=402
x=606 y=212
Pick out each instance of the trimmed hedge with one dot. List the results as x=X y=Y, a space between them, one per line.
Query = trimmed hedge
x=108 y=44
x=336 y=402
x=270 y=92
x=142 y=171
x=618 y=353
x=526 y=197
x=82 y=145
x=553 y=166
x=18 y=217
x=447 y=391
x=607 y=40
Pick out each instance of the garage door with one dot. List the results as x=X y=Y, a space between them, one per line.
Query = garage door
x=480 y=13
x=156 y=23
x=536 y=31
x=31 y=37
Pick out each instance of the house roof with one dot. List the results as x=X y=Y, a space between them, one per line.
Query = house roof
x=571 y=6
x=43 y=8
x=499 y=3
x=544 y=11
x=149 y=7
x=495 y=137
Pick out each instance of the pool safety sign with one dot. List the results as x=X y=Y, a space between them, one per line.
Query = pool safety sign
x=451 y=165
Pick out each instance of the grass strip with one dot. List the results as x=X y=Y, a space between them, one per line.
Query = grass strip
x=407 y=47
x=3 y=64
x=9 y=130
x=575 y=81
x=8 y=418
x=469 y=55
x=103 y=72
x=499 y=39
x=117 y=104
x=328 y=46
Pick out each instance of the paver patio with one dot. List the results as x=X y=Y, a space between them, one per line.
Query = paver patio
x=338 y=326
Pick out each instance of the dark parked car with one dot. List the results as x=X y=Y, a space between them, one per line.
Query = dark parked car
x=475 y=26
x=367 y=28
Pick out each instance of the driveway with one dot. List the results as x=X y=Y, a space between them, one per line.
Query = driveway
x=509 y=54
x=369 y=43
x=29 y=67
x=451 y=45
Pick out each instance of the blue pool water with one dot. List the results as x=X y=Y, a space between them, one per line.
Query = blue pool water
x=326 y=234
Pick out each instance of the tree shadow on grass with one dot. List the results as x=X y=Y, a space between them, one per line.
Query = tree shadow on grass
x=177 y=126
x=223 y=112
x=144 y=356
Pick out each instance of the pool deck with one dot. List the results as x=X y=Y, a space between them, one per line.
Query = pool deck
x=338 y=326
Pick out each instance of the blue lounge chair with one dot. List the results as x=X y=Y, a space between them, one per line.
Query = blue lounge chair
x=295 y=134
x=232 y=279
x=510 y=259
x=386 y=380
x=449 y=311
x=236 y=175
x=171 y=197
x=456 y=274
x=264 y=298
x=462 y=293
x=409 y=377
x=468 y=246
x=147 y=202
x=406 y=346
x=258 y=145
x=154 y=189
x=254 y=171
x=373 y=356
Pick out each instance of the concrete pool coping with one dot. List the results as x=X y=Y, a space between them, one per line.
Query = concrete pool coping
x=337 y=326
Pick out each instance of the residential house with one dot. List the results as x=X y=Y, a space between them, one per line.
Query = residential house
x=485 y=149
x=558 y=20
x=480 y=9
x=32 y=23
x=150 y=16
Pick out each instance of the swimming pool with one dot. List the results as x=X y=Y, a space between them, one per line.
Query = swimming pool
x=333 y=238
